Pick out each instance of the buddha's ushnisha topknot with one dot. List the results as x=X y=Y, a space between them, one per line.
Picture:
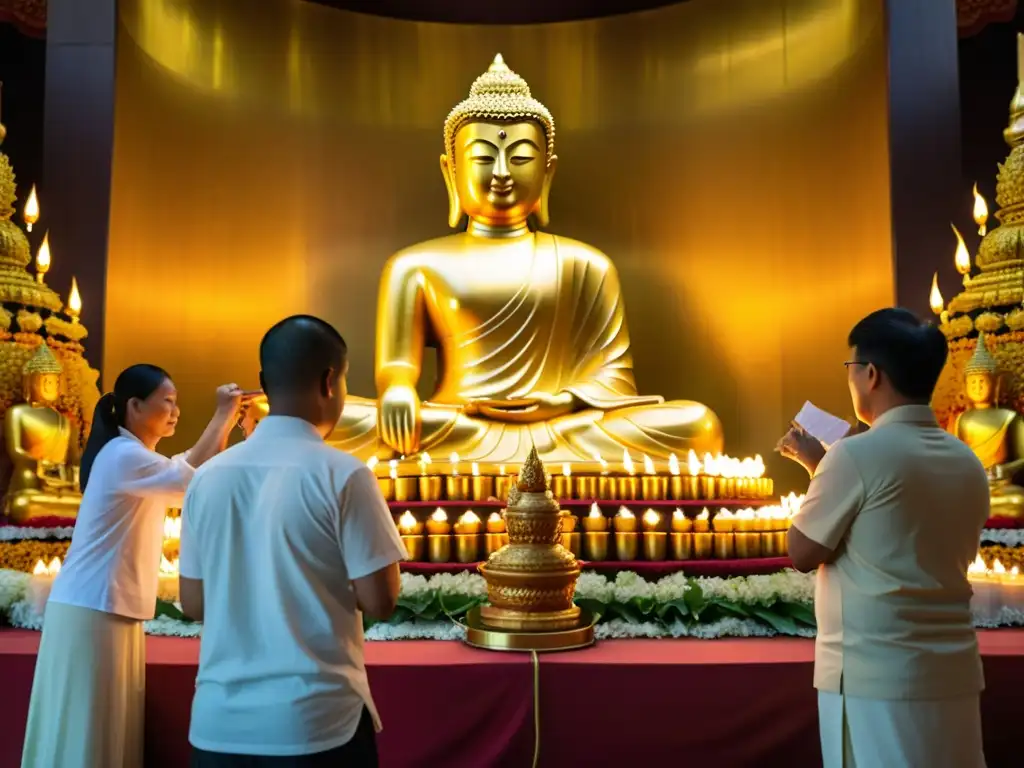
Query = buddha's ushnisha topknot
x=498 y=94
x=982 y=360
x=42 y=362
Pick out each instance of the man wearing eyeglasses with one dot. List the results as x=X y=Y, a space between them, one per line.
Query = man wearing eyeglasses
x=891 y=521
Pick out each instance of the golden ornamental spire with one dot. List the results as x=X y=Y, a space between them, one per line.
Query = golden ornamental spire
x=531 y=478
x=42 y=362
x=981 y=361
x=499 y=94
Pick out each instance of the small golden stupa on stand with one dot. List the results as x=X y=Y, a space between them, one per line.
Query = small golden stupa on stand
x=531 y=581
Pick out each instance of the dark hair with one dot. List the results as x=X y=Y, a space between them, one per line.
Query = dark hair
x=296 y=352
x=137 y=381
x=910 y=353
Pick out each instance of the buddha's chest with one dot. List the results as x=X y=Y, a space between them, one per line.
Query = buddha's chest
x=986 y=431
x=45 y=434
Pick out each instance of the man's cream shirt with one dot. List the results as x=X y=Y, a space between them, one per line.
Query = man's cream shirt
x=903 y=505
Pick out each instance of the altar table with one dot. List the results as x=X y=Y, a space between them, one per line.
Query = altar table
x=729 y=703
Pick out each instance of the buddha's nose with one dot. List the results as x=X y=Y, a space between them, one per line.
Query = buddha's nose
x=501 y=171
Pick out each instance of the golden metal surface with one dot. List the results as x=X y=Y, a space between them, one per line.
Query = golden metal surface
x=479 y=635
x=38 y=439
x=995 y=434
x=701 y=148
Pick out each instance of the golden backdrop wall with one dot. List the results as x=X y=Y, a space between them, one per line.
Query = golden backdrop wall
x=729 y=155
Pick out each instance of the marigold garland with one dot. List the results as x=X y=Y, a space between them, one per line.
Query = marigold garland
x=23 y=555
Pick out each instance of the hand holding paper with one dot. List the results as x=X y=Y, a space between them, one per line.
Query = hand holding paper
x=822 y=425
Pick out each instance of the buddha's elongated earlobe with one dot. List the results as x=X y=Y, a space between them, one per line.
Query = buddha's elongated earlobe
x=541 y=211
x=454 y=206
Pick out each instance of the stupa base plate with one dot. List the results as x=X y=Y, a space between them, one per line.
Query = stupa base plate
x=480 y=635
x=508 y=620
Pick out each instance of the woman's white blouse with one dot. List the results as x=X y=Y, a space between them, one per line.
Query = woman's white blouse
x=113 y=563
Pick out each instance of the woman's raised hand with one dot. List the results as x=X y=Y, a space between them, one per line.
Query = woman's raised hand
x=229 y=400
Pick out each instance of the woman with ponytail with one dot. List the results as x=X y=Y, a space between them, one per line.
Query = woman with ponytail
x=88 y=695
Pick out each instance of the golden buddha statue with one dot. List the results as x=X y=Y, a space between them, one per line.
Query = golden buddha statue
x=38 y=439
x=533 y=343
x=995 y=434
x=531 y=581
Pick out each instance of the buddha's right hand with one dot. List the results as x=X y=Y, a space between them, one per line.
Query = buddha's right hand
x=398 y=419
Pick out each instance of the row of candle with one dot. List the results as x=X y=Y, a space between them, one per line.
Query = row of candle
x=716 y=477
x=995 y=588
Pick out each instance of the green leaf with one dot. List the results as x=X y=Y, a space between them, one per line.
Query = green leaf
x=729 y=607
x=694 y=597
x=645 y=605
x=799 y=612
x=781 y=624
x=595 y=607
x=626 y=612
x=456 y=606
x=674 y=610
x=400 y=614
x=170 y=610
x=420 y=603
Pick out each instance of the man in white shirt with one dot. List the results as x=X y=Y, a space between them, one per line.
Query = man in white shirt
x=285 y=543
x=891 y=521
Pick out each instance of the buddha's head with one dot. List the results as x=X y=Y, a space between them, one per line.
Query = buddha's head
x=41 y=376
x=499 y=156
x=980 y=373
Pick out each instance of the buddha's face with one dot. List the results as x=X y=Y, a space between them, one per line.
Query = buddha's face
x=979 y=388
x=500 y=170
x=42 y=387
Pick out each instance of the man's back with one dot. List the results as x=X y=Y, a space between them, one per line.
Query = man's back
x=277 y=528
x=906 y=628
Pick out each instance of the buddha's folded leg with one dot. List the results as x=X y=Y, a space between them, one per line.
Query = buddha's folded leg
x=676 y=426
x=1007 y=501
x=356 y=431
x=33 y=505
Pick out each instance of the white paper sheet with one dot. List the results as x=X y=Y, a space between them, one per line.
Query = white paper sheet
x=822 y=424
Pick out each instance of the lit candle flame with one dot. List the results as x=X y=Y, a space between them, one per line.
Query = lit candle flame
x=998 y=568
x=53 y=568
x=759 y=467
x=711 y=465
x=566 y=470
x=172 y=527
x=693 y=465
x=494 y=518
x=625 y=514
x=980 y=211
x=627 y=463
x=595 y=511
x=977 y=567
x=372 y=462
x=454 y=461
x=935 y=300
x=469 y=517
x=475 y=469
x=651 y=518
x=407 y=522
x=168 y=567
x=962 y=259
x=725 y=514
x=501 y=470
x=40 y=569
x=673 y=464
x=43 y=257
x=604 y=465
x=705 y=515
x=31 y=212
x=424 y=462
x=678 y=514
x=648 y=465
x=439 y=516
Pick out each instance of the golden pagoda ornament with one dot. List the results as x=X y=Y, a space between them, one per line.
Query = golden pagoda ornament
x=531 y=581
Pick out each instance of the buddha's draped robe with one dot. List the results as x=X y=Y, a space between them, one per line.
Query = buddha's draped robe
x=531 y=314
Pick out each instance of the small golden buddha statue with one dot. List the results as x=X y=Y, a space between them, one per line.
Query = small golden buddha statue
x=996 y=435
x=533 y=343
x=38 y=438
x=531 y=581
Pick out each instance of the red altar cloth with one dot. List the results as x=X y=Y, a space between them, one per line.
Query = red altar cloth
x=641 y=702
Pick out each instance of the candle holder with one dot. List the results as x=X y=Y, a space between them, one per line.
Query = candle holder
x=595 y=546
x=781 y=543
x=628 y=487
x=725 y=487
x=748 y=545
x=596 y=524
x=770 y=545
x=654 y=488
x=702 y=546
x=439 y=547
x=655 y=546
x=561 y=487
x=569 y=522
x=606 y=488
x=684 y=487
x=481 y=487
x=467 y=547
x=406 y=488
x=387 y=488
x=767 y=487
x=457 y=487
x=414 y=546
x=625 y=524
x=429 y=487
x=682 y=545
x=573 y=541
x=494 y=541
x=708 y=487
x=724 y=546
x=502 y=485
x=627 y=544
x=585 y=488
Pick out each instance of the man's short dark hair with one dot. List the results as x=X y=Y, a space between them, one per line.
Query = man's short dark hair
x=910 y=353
x=295 y=354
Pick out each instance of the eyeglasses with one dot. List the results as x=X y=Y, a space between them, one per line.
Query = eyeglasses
x=848 y=363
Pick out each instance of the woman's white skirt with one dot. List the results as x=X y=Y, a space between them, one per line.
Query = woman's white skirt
x=88 y=693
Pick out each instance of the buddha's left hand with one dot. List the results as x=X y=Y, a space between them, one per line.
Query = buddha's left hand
x=537 y=406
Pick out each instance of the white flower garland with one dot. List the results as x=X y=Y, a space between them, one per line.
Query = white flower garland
x=20 y=533
x=1007 y=537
